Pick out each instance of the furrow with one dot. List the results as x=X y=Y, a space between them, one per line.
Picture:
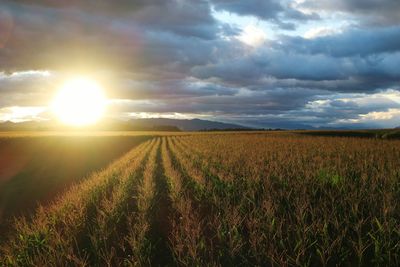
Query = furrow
x=109 y=226
x=224 y=229
x=190 y=237
x=137 y=246
x=161 y=214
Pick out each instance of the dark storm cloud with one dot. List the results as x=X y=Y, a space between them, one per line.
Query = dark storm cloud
x=97 y=39
x=319 y=70
x=240 y=101
x=174 y=56
x=276 y=64
x=170 y=89
x=278 y=12
x=372 y=12
x=354 y=42
x=268 y=9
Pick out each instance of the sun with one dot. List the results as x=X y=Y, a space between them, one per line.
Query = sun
x=79 y=102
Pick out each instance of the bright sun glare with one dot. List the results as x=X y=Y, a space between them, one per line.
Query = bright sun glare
x=79 y=102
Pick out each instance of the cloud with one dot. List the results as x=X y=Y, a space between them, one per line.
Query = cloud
x=268 y=9
x=252 y=36
x=369 y=12
x=352 y=42
x=175 y=57
x=316 y=70
x=21 y=114
x=84 y=40
x=279 y=12
x=28 y=88
x=319 y=32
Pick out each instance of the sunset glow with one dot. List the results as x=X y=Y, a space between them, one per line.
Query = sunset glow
x=79 y=102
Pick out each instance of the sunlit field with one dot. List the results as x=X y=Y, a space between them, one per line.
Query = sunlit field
x=206 y=199
x=35 y=168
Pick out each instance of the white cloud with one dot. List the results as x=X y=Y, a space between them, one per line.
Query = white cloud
x=380 y=110
x=252 y=36
x=25 y=74
x=382 y=115
x=381 y=119
x=21 y=114
x=319 y=32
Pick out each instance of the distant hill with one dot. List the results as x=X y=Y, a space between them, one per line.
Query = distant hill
x=27 y=126
x=186 y=125
x=151 y=124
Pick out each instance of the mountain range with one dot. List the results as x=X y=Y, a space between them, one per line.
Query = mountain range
x=186 y=125
x=150 y=124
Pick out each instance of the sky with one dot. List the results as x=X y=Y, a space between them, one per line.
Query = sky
x=260 y=63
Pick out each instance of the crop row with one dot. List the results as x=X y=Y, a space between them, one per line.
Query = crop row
x=227 y=199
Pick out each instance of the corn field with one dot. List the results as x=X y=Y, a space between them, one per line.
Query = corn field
x=239 y=199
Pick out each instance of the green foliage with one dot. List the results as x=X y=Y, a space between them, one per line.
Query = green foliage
x=329 y=178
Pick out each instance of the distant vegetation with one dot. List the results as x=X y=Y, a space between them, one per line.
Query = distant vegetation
x=264 y=199
x=378 y=133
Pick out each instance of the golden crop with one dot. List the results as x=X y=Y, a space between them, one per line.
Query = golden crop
x=241 y=199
